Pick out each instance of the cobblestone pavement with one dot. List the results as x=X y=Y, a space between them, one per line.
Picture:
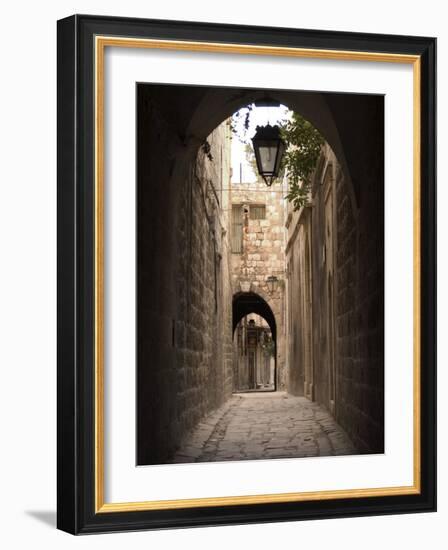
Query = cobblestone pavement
x=265 y=425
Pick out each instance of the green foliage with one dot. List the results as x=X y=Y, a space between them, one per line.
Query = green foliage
x=303 y=146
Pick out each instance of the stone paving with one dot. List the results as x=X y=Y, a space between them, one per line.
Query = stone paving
x=265 y=425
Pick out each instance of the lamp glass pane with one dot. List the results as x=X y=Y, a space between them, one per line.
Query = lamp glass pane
x=268 y=155
x=281 y=150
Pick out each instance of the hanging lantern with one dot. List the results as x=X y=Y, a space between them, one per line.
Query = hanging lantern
x=268 y=148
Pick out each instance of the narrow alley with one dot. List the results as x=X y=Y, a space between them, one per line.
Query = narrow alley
x=260 y=274
x=265 y=425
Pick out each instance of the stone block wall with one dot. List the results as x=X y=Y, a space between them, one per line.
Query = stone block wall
x=184 y=296
x=263 y=254
x=298 y=318
x=324 y=227
x=360 y=312
x=336 y=285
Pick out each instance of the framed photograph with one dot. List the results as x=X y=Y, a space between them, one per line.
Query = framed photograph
x=246 y=274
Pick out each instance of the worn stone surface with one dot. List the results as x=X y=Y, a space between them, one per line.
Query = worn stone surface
x=265 y=425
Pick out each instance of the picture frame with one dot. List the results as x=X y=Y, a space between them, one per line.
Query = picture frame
x=82 y=41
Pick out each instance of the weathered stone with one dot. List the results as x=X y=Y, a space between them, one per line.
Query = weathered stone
x=335 y=287
x=251 y=426
x=189 y=354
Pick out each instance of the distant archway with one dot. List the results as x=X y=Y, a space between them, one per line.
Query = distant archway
x=245 y=303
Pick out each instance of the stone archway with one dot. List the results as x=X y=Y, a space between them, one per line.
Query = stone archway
x=192 y=116
x=245 y=303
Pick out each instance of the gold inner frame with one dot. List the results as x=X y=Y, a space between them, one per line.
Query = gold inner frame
x=101 y=42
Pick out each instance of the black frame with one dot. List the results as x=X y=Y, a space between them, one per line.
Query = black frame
x=75 y=474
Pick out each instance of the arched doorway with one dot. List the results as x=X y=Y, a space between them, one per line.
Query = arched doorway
x=243 y=305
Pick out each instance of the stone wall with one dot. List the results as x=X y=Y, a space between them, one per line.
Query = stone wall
x=299 y=318
x=360 y=298
x=335 y=285
x=184 y=342
x=263 y=254
x=325 y=278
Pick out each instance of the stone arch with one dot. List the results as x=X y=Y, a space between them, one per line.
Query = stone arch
x=244 y=303
x=194 y=115
x=219 y=104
